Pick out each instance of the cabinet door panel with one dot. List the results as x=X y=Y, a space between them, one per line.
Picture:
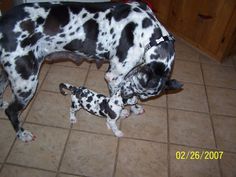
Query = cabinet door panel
x=204 y=22
x=162 y=8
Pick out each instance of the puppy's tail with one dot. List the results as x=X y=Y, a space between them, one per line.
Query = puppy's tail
x=66 y=86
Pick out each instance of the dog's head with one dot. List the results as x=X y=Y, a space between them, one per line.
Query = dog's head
x=149 y=80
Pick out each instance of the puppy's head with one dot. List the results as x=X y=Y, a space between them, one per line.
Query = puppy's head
x=149 y=80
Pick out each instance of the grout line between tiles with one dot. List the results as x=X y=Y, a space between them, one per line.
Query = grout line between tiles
x=212 y=62
x=204 y=84
x=25 y=166
x=76 y=175
x=202 y=148
x=63 y=152
x=211 y=119
x=117 y=154
x=5 y=159
x=168 y=139
x=87 y=74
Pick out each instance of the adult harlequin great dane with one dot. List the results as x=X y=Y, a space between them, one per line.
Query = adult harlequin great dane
x=138 y=48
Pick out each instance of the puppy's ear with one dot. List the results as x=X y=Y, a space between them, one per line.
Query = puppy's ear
x=173 y=85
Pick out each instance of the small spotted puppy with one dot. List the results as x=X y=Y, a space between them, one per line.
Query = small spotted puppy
x=96 y=104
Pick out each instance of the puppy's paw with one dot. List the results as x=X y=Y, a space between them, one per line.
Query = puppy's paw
x=25 y=136
x=124 y=113
x=137 y=109
x=4 y=105
x=119 y=133
x=73 y=120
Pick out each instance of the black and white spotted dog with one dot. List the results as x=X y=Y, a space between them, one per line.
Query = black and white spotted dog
x=96 y=104
x=127 y=35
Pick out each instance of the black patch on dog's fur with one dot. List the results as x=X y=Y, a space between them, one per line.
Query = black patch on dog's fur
x=26 y=65
x=28 y=25
x=11 y=111
x=25 y=94
x=101 y=113
x=90 y=98
x=112 y=30
x=88 y=106
x=151 y=16
x=74 y=45
x=109 y=16
x=106 y=108
x=88 y=45
x=126 y=41
x=73 y=104
x=96 y=16
x=84 y=15
x=31 y=40
x=7 y=64
x=62 y=35
x=146 y=23
x=57 y=17
x=153 y=73
x=156 y=34
x=121 y=12
x=100 y=47
x=165 y=50
x=9 y=44
x=137 y=9
x=9 y=38
x=40 y=20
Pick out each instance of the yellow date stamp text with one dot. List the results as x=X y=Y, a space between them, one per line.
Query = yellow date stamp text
x=199 y=155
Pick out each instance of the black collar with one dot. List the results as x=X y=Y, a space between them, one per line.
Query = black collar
x=157 y=42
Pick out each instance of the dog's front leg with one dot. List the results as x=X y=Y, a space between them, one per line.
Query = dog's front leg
x=113 y=84
x=13 y=111
x=135 y=108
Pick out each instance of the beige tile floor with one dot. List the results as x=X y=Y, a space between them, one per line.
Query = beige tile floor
x=202 y=117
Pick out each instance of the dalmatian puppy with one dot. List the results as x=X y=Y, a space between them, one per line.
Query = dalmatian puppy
x=96 y=104
x=127 y=35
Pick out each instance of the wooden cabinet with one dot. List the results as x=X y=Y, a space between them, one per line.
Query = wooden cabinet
x=206 y=24
x=5 y=5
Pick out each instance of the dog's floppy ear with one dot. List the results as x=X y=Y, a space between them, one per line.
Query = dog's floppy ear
x=173 y=84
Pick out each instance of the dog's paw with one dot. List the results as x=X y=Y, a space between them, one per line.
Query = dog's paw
x=4 y=105
x=124 y=113
x=25 y=136
x=109 y=76
x=119 y=133
x=137 y=109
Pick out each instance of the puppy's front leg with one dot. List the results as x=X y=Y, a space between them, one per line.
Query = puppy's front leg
x=73 y=118
x=111 y=124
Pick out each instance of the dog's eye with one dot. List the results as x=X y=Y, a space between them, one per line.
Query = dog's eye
x=153 y=83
